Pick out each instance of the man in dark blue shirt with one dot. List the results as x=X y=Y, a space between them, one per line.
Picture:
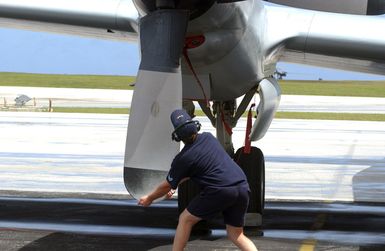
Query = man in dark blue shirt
x=223 y=184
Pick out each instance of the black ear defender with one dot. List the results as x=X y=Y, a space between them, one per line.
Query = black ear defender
x=174 y=134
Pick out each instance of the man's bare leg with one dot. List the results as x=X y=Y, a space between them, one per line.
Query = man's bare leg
x=186 y=222
x=236 y=235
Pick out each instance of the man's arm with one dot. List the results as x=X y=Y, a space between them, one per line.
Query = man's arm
x=160 y=191
x=172 y=191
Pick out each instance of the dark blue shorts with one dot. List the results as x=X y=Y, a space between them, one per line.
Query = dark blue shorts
x=231 y=201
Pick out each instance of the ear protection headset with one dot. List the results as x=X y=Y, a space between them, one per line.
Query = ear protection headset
x=174 y=134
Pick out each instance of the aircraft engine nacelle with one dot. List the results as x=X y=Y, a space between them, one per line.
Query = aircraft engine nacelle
x=196 y=7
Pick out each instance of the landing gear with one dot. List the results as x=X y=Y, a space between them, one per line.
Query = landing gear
x=224 y=117
x=253 y=165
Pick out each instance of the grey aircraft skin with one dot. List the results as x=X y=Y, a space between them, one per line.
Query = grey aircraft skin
x=233 y=47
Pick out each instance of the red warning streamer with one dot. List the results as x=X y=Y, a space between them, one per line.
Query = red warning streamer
x=228 y=128
x=247 y=148
x=190 y=43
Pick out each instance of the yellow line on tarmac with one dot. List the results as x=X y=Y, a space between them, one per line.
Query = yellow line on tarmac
x=309 y=244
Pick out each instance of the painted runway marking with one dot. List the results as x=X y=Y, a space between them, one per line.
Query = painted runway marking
x=309 y=244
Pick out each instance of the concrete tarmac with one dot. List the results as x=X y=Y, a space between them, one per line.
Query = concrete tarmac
x=61 y=187
x=83 y=153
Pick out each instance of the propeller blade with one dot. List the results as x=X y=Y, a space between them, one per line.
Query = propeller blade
x=158 y=91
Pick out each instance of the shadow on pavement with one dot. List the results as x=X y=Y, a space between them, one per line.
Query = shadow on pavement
x=369 y=184
x=68 y=241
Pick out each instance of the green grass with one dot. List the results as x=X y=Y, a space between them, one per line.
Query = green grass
x=295 y=87
x=66 y=81
x=279 y=115
x=322 y=116
x=334 y=88
x=331 y=116
x=327 y=88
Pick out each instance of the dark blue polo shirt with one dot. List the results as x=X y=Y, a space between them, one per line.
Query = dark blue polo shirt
x=206 y=163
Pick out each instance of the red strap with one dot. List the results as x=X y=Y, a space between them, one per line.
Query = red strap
x=185 y=54
x=228 y=128
x=247 y=148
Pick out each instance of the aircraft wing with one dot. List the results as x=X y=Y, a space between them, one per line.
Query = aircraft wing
x=338 y=41
x=111 y=19
x=361 y=7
